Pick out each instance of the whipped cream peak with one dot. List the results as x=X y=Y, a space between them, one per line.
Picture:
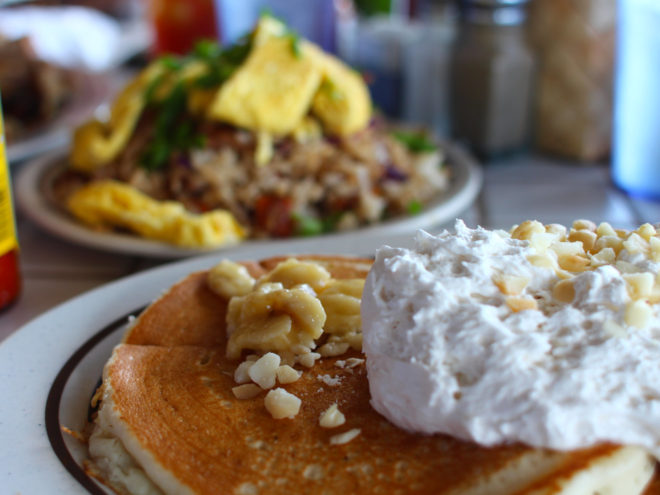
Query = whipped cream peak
x=529 y=336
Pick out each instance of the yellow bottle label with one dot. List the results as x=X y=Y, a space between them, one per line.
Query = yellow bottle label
x=7 y=225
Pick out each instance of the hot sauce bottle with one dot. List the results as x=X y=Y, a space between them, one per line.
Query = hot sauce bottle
x=178 y=24
x=10 y=280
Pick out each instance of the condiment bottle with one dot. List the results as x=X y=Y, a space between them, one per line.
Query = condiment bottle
x=492 y=77
x=179 y=24
x=10 y=280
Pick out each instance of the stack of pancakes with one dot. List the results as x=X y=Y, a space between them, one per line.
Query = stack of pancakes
x=169 y=423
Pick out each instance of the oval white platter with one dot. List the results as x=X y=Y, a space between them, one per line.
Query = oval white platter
x=31 y=196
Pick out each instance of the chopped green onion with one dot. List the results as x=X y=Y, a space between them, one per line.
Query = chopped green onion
x=294 y=38
x=416 y=142
x=171 y=62
x=414 y=207
x=174 y=130
x=307 y=225
x=329 y=87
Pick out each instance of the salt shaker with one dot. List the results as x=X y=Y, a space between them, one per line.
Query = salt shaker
x=492 y=77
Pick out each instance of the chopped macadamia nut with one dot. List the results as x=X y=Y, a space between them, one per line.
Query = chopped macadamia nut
x=281 y=404
x=586 y=237
x=605 y=229
x=510 y=285
x=264 y=370
x=613 y=329
x=286 y=374
x=647 y=231
x=527 y=229
x=582 y=224
x=567 y=248
x=640 y=285
x=332 y=417
x=557 y=229
x=516 y=304
x=564 y=291
x=545 y=260
x=609 y=241
x=308 y=360
x=638 y=313
x=654 y=244
x=636 y=244
x=332 y=349
x=247 y=391
x=241 y=372
x=573 y=262
x=345 y=437
x=605 y=256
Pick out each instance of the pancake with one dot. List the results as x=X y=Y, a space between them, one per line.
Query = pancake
x=169 y=423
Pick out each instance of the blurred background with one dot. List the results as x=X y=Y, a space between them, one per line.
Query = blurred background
x=502 y=76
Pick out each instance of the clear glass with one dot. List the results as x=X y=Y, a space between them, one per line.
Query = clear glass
x=636 y=157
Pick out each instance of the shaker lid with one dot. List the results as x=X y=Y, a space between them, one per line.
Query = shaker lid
x=494 y=12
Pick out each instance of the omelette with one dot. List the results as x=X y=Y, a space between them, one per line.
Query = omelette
x=271 y=135
x=174 y=419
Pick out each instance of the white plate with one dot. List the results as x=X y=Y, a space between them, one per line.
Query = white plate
x=50 y=367
x=32 y=182
x=89 y=91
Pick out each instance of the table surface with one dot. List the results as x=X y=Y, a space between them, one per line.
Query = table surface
x=516 y=189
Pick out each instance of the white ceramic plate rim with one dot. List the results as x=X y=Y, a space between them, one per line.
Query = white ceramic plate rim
x=31 y=358
x=464 y=186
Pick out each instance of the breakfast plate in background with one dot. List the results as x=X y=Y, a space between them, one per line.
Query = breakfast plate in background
x=33 y=195
x=90 y=90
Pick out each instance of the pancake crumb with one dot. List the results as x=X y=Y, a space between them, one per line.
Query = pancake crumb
x=345 y=437
x=313 y=472
x=330 y=381
x=246 y=488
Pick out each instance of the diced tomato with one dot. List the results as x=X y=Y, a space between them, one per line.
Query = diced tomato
x=273 y=216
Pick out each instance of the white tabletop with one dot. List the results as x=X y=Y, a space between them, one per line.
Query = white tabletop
x=525 y=187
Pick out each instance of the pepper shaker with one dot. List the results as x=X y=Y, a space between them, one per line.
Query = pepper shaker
x=492 y=77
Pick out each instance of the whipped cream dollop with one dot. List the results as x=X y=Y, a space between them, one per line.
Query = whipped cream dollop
x=475 y=334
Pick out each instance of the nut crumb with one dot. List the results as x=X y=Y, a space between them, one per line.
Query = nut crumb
x=330 y=381
x=332 y=417
x=313 y=472
x=281 y=404
x=353 y=362
x=308 y=359
x=246 y=489
x=286 y=374
x=264 y=370
x=345 y=437
x=247 y=391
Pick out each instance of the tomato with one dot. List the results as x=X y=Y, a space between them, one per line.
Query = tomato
x=273 y=216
